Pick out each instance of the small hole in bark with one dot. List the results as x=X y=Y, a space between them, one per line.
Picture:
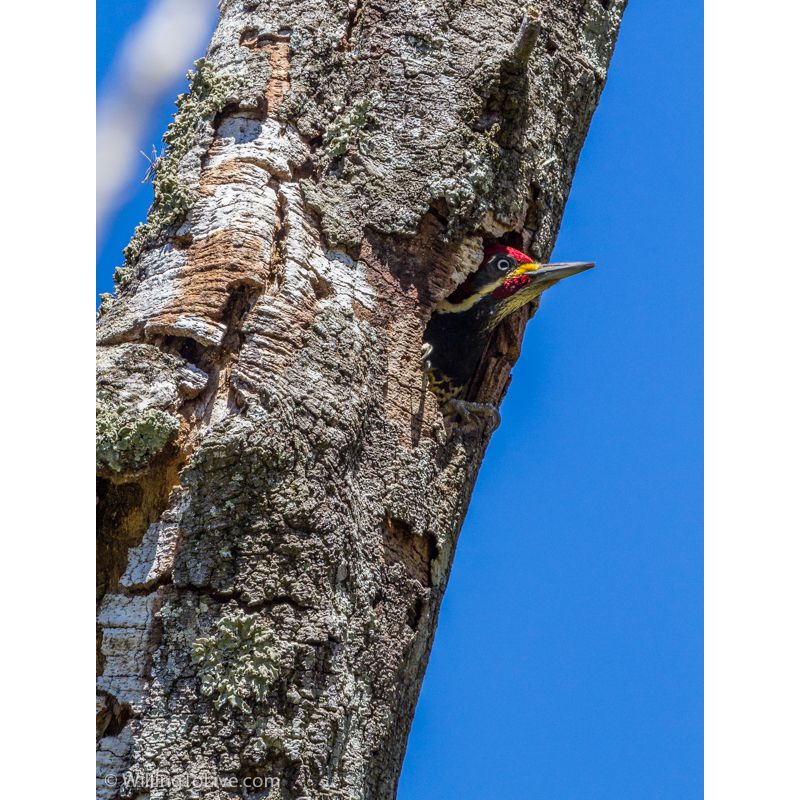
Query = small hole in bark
x=118 y=528
x=439 y=211
x=402 y=546
x=182 y=242
x=550 y=46
x=253 y=39
x=241 y=299
x=321 y=287
x=249 y=38
x=414 y=614
x=114 y=717
x=188 y=349
x=335 y=167
x=433 y=546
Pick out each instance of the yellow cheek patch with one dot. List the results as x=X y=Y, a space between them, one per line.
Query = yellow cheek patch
x=446 y=307
x=524 y=269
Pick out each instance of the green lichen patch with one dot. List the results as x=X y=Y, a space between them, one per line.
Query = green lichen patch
x=128 y=439
x=209 y=92
x=123 y=276
x=346 y=129
x=238 y=663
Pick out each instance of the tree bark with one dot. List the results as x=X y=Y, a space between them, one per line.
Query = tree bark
x=279 y=498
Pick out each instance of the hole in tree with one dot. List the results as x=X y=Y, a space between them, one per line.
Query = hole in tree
x=414 y=613
x=118 y=715
x=185 y=347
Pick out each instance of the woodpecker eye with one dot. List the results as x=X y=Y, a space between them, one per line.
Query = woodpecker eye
x=503 y=265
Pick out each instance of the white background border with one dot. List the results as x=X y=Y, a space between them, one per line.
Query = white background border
x=752 y=401
x=46 y=403
x=752 y=398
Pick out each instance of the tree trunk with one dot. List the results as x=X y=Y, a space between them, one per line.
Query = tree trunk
x=279 y=497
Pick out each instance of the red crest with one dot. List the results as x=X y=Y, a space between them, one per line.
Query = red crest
x=494 y=249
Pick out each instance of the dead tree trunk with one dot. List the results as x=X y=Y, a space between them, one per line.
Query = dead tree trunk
x=279 y=498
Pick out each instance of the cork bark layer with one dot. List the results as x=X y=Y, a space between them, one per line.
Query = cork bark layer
x=279 y=497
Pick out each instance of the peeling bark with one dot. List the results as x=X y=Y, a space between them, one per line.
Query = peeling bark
x=279 y=498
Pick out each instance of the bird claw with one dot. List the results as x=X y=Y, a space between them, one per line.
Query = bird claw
x=468 y=412
x=425 y=354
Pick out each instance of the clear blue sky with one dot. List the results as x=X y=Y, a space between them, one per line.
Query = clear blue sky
x=568 y=660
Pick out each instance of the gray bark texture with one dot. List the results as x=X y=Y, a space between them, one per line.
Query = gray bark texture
x=279 y=498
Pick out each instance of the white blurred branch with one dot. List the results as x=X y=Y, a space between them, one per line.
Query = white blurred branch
x=162 y=46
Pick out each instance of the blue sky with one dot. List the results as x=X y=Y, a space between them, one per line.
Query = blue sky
x=568 y=660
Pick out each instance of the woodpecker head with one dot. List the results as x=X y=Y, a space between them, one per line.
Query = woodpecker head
x=462 y=324
x=505 y=281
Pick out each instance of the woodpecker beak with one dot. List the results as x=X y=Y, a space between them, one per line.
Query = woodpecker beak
x=552 y=273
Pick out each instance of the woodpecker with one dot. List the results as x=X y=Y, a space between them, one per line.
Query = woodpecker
x=462 y=324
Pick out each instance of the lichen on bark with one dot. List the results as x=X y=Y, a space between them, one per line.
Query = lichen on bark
x=127 y=440
x=209 y=92
x=271 y=576
x=236 y=663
